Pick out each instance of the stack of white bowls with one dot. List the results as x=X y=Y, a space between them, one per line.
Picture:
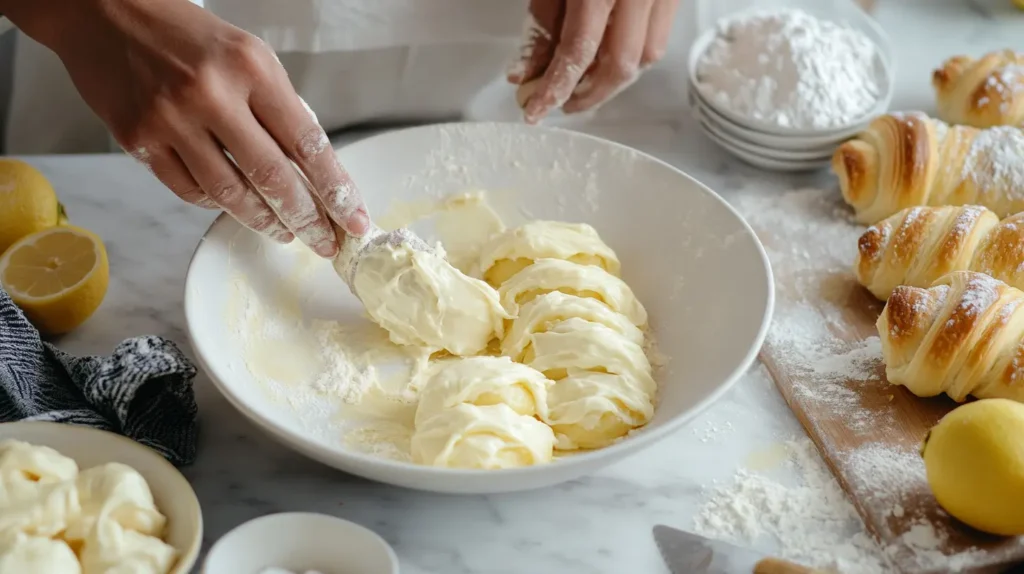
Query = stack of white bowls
x=778 y=148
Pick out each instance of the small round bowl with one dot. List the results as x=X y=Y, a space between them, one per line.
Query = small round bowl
x=764 y=162
x=823 y=154
x=300 y=542
x=88 y=447
x=824 y=144
x=834 y=11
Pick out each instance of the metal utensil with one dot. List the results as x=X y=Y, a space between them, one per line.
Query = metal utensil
x=687 y=553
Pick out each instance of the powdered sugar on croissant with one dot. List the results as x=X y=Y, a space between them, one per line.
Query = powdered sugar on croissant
x=962 y=336
x=920 y=244
x=982 y=92
x=908 y=159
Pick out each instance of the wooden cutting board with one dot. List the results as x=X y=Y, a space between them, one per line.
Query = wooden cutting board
x=824 y=356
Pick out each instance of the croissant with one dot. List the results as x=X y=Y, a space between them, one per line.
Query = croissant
x=963 y=336
x=920 y=244
x=908 y=159
x=983 y=92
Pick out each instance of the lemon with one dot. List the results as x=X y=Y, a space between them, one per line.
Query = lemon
x=57 y=276
x=27 y=202
x=1019 y=4
x=974 y=458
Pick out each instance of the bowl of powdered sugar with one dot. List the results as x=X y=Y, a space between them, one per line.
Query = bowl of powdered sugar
x=790 y=83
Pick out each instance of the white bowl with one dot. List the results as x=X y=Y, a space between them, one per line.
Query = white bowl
x=840 y=11
x=88 y=447
x=299 y=542
x=763 y=161
x=765 y=151
x=825 y=144
x=690 y=258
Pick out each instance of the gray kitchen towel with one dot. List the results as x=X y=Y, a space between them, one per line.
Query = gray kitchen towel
x=143 y=390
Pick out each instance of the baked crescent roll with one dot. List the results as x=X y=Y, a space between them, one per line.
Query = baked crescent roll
x=962 y=336
x=908 y=159
x=920 y=244
x=983 y=92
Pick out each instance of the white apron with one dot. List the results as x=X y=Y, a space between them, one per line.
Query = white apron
x=355 y=61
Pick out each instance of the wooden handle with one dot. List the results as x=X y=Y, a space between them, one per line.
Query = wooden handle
x=777 y=566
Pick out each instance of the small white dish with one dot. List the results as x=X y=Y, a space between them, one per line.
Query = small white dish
x=300 y=542
x=764 y=162
x=688 y=255
x=88 y=447
x=821 y=144
x=767 y=152
x=842 y=11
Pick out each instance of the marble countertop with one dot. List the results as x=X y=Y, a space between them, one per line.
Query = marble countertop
x=598 y=524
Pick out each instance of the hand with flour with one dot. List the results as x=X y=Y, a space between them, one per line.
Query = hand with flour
x=577 y=54
x=206 y=107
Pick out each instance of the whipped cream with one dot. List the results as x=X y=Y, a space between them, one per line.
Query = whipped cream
x=58 y=520
x=422 y=300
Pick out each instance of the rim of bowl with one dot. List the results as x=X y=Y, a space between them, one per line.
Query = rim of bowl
x=884 y=51
x=825 y=154
x=763 y=161
x=634 y=443
x=189 y=555
x=307 y=516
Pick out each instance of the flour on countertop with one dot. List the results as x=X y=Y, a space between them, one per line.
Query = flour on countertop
x=814 y=523
x=788 y=68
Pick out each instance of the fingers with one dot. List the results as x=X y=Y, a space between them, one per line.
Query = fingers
x=582 y=30
x=540 y=36
x=167 y=166
x=222 y=182
x=295 y=130
x=618 y=60
x=274 y=178
x=663 y=15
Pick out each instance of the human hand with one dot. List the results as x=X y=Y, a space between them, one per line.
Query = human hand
x=179 y=87
x=583 y=52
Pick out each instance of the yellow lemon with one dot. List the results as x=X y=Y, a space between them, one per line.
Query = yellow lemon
x=1019 y=4
x=27 y=202
x=57 y=276
x=974 y=458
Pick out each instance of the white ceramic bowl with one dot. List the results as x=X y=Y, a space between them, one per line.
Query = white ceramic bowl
x=299 y=542
x=825 y=144
x=88 y=447
x=822 y=155
x=763 y=161
x=840 y=11
x=689 y=257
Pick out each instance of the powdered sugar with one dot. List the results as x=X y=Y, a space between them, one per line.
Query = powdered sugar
x=791 y=69
x=995 y=161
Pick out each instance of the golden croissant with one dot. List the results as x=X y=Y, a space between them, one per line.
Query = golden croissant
x=920 y=244
x=982 y=92
x=908 y=159
x=962 y=336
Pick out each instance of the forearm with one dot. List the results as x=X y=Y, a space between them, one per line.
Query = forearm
x=46 y=21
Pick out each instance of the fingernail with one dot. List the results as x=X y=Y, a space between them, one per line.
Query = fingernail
x=207 y=203
x=357 y=224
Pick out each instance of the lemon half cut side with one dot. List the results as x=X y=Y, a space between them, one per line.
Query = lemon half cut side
x=58 y=276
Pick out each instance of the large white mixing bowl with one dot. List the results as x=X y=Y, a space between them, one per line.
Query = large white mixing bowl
x=690 y=258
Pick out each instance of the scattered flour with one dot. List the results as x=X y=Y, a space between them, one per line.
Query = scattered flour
x=788 y=68
x=809 y=236
x=814 y=523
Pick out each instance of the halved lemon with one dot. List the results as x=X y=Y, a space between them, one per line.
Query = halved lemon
x=58 y=276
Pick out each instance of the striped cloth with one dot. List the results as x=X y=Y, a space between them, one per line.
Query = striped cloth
x=142 y=391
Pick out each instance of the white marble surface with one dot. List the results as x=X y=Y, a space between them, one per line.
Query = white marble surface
x=600 y=524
